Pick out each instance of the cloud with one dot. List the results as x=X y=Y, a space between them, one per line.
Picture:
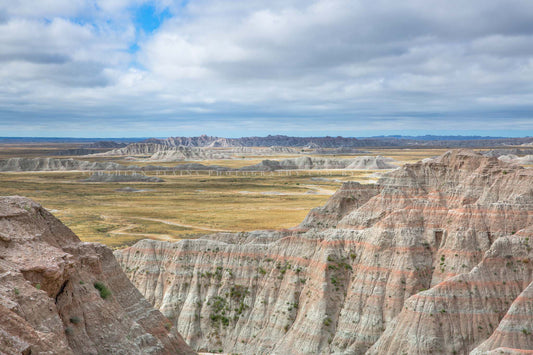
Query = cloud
x=273 y=65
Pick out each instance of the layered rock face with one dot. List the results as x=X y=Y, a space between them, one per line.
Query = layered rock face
x=186 y=153
x=52 y=164
x=135 y=149
x=61 y=296
x=434 y=259
x=514 y=159
x=306 y=163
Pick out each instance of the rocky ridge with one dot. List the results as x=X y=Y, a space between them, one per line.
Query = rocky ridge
x=186 y=153
x=434 y=258
x=495 y=153
x=514 y=159
x=168 y=152
x=307 y=163
x=53 y=164
x=61 y=296
x=133 y=149
x=336 y=142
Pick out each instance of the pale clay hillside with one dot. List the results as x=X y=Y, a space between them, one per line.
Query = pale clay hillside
x=433 y=259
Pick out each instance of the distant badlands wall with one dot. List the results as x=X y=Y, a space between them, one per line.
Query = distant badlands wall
x=305 y=163
x=310 y=163
x=335 y=142
x=53 y=164
x=162 y=152
x=434 y=259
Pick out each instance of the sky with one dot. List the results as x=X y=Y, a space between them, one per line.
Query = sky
x=134 y=68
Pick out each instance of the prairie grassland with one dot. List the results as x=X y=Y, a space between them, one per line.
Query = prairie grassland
x=181 y=207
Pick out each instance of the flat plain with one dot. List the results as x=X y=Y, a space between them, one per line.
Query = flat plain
x=186 y=206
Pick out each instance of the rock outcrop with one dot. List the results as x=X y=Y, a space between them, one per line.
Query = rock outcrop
x=336 y=142
x=433 y=259
x=133 y=149
x=52 y=164
x=495 y=153
x=61 y=296
x=514 y=159
x=169 y=152
x=186 y=153
x=307 y=163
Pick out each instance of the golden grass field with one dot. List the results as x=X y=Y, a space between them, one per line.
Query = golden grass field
x=182 y=206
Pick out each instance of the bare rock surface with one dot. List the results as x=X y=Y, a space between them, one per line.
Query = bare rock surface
x=495 y=153
x=49 y=301
x=430 y=260
x=307 y=163
x=163 y=151
x=186 y=153
x=514 y=159
x=53 y=164
x=134 y=149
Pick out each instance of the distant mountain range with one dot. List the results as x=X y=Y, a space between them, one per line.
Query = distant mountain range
x=305 y=142
x=429 y=137
x=336 y=142
x=66 y=140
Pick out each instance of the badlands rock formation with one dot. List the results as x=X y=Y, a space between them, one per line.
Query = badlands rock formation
x=168 y=152
x=514 y=151
x=61 y=296
x=306 y=163
x=433 y=259
x=52 y=164
x=133 y=149
x=336 y=142
x=514 y=159
x=186 y=153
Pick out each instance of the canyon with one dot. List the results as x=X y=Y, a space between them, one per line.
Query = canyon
x=435 y=258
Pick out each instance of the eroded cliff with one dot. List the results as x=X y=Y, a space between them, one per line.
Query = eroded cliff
x=61 y=296
x=432 y=259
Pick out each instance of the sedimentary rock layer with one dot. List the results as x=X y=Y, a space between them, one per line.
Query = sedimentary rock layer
x=52 y=164
x=61 y=296
x=514 y=159
x=186 y=153
x=336 y=142
x=429 y=260
x=135 y=149
x=357 y=163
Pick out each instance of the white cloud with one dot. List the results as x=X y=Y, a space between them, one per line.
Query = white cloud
x=333 y=58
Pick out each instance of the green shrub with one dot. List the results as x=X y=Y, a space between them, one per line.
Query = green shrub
x=75 y=320
x=104 y=291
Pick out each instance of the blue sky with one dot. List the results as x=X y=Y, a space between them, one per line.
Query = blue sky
x=118 y=68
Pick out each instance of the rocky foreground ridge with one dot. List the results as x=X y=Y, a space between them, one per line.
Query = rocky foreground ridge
x=433 y=259
x=61 y=296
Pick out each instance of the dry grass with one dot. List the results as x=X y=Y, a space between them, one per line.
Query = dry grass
x=182 y=206
x=191 y=205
